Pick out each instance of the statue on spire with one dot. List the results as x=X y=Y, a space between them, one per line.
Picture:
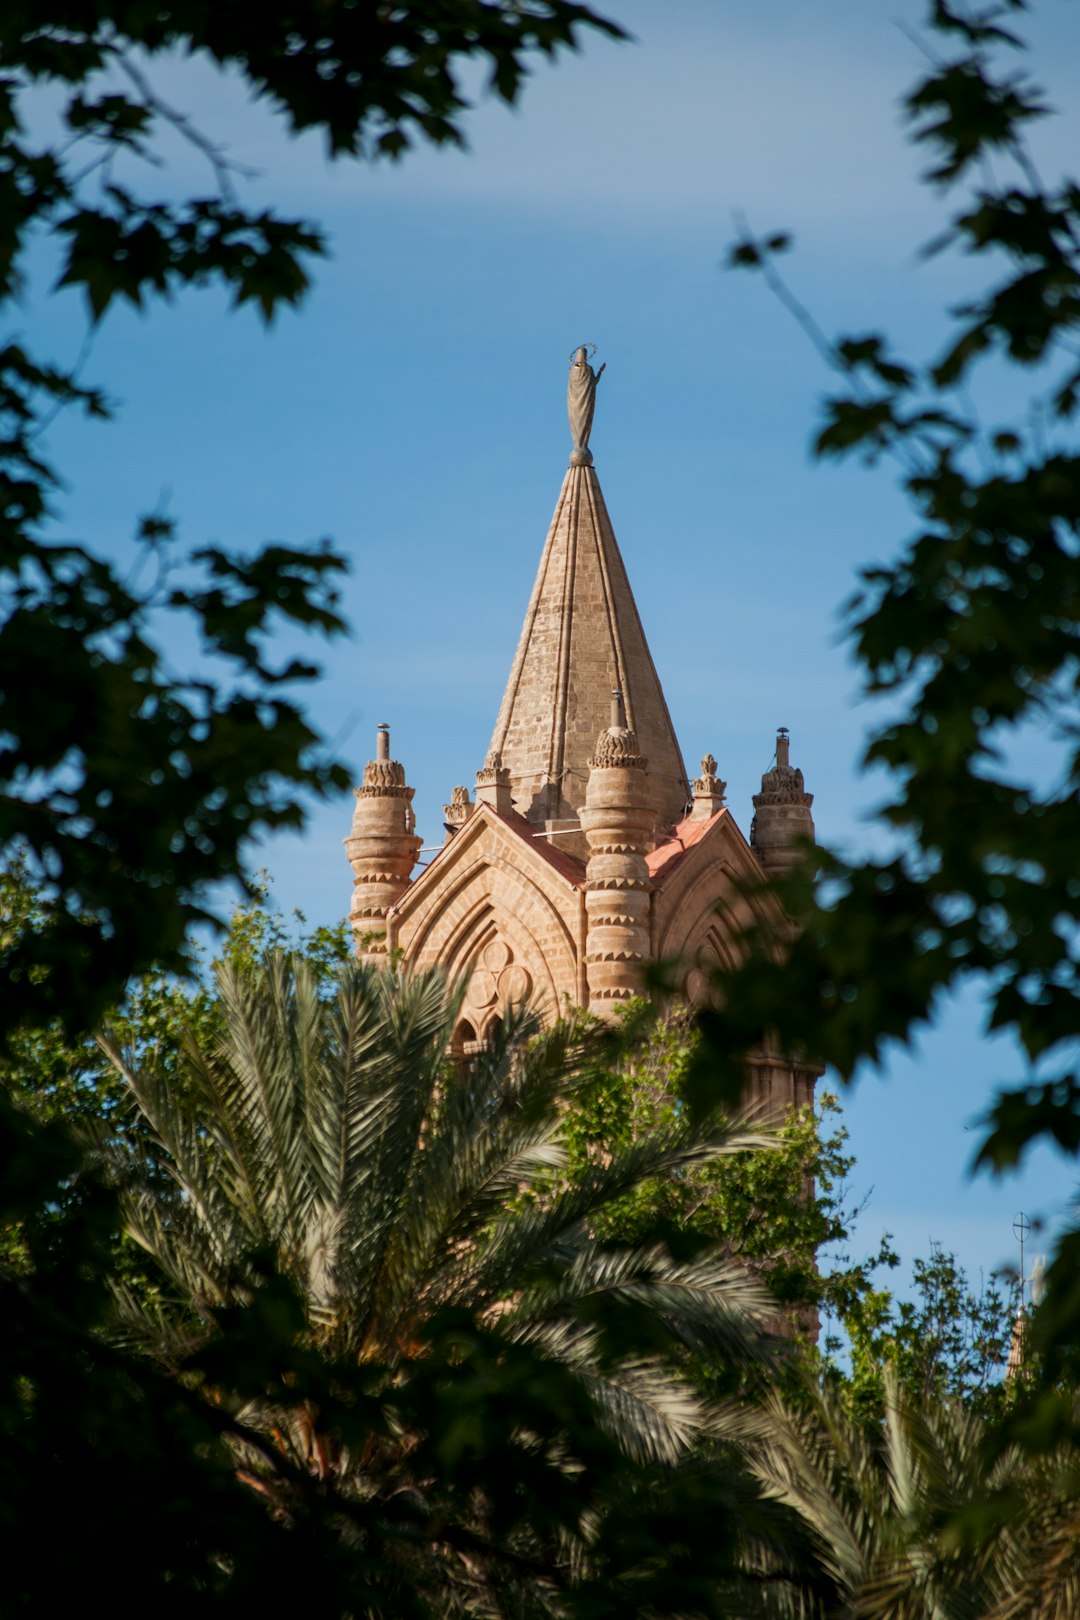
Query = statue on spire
x=581 y=403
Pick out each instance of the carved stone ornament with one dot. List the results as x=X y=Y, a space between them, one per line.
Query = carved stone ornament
x=708 y=785
x=493 y=771
x=618 y=745
x=460 y=808
x=783 y=784
x=384 y=779
x=498 y=978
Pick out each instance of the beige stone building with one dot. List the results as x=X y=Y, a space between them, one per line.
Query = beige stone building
x=585 y=851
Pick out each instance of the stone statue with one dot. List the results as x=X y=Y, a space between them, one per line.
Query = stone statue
x=581 y=403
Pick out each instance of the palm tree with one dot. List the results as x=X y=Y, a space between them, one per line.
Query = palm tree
x=926 y=1517
x=396 y=1192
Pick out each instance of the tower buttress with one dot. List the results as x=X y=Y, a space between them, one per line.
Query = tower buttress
x=618 y=820
x=782 y=816
x=382 y=847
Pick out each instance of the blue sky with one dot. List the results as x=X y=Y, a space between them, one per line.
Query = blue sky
x=414 y=412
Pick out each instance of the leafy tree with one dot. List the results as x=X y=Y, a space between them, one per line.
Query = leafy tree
x=950 y=1342
x=59 y=1076
x=326 y=1141
x=773 y=1208
x=971 y=636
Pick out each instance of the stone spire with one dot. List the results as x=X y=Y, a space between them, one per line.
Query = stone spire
x=582 y=636
x=619 y=820
x=382 y=847
x=782 y=816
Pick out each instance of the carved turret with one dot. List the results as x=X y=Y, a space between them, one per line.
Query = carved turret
x=382 y=847
x=782 y=819
x=619 y=820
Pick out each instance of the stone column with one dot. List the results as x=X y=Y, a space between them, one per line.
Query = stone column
x=618 y=821
x=781 y=812
x=382 y=848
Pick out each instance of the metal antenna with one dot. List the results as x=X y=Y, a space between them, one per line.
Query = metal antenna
x=1021 y=1228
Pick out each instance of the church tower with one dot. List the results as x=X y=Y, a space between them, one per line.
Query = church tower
x=586 y=852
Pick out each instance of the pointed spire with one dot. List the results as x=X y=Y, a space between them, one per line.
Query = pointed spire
x=582 y=637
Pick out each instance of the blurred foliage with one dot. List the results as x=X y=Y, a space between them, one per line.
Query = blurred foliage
x=105 y=1462
x=971 y=638
x=158 y=1485
x=56 y=1076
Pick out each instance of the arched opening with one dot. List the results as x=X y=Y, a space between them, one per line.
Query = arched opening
x=464 y=1046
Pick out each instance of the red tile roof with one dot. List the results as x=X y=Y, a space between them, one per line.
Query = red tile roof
x=666 y=857
x=564 y=863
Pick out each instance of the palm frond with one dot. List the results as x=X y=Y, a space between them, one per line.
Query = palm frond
x=520 y=1240
x=335 y=1131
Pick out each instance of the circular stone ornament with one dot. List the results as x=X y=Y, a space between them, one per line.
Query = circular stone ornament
x=495 y=955
x=514 y=985
x=482 y=988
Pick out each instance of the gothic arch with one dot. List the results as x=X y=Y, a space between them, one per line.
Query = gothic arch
x=703 y=900
x=491 y=904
